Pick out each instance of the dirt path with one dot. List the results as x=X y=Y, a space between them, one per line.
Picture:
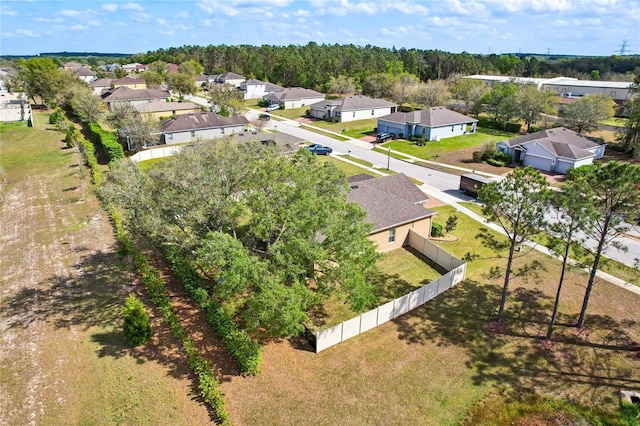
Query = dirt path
x=62 y=285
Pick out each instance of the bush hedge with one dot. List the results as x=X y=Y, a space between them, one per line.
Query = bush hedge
x=499 y=125
x=112 y=148
x=57 y=116
x=436 y=230
x=247 y=351
x=136 y=326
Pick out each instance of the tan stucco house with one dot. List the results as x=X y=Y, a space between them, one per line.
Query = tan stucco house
x=394 y=205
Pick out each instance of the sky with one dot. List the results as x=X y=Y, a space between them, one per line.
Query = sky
x=576 y=27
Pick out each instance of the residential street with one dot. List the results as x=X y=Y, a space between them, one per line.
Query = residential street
x=438 y=184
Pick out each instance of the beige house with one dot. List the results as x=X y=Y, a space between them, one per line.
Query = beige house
x=130 y=82
x=394 y=205
x=162 y=110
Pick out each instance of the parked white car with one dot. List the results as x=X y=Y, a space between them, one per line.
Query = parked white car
x=273 y=107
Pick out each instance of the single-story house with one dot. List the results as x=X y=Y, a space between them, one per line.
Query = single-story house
x=203 y=125
x=134 y=97
x=394 y=206
x=130 y=82
x=552 y=150
x=101 y=85
x=71 y=66
x=433 y=124
x=161 y=109
x=294 y=97
x=135 y=67
x=202 y=81
x=352 y=108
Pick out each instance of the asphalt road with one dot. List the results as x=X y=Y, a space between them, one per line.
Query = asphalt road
x=439 y=184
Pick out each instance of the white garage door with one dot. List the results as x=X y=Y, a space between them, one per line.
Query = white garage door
x=539 y=163
x=563 y=166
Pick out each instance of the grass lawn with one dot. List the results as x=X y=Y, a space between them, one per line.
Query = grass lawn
x=432 y=150
x=348 y=168
x=320 y=132
x=357 y=160
x=399 y=272
x=613 y=121
x=610 y=266
x=355 y=129
x=291 y=113
x=439 y=360
x=62 y=288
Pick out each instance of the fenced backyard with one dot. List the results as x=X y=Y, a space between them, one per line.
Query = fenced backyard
x=456 y=268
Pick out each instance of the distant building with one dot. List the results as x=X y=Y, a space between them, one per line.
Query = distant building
x=204 y=125
x=433 y=124
x=351 y=108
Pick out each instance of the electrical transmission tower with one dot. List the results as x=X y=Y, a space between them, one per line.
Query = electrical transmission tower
x=623 y=49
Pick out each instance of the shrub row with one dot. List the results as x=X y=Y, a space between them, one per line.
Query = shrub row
x=499 y=125
x=73 y=138
x=112 y=148
x=208 y=385
x=247 y=351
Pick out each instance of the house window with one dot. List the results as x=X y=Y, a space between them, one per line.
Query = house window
x=392 y=235
x=372 y=112
x=452 y=127
x=613 y=93
x=222 y=130
x=354 y=113
x=169 y=136
x=193 y=133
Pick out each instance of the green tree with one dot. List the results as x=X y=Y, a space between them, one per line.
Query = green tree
x=139 y=131
x=341 y=85
x=403 y=88
x=182 y=83
x=192 y=68
x=432 y=93
x=501 y=101
x=469 y=91
x=225 y=97
x=276 y=234
x=631 y=138
x=615 y=197
x=379 y=85
x=88 y=106
x=136 y=327
x=452 y=223
x=574 y=213
x=509 y=65
x=40 y=78
x=517 y=204
x=531 y=102
x=159 y=67
x=584 y=114
x=153 y=79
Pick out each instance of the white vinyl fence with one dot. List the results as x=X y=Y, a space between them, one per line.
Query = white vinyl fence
x=378 y=316
x=149 y=154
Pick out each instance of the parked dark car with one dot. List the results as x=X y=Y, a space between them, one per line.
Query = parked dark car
x=316 y=148
x=384 y=136
x=268 y=142
x=264 y=117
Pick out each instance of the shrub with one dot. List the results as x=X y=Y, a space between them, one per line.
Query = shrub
x=496 y=163
x=452 y=223
x=137 y=329
x=499 y=125
x=436 y=230
x=112 y=148
x=477 y=156
x=263 y=103
x=57 y=116
x=502 y=156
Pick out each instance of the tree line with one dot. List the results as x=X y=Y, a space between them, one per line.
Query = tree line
x=312 y=65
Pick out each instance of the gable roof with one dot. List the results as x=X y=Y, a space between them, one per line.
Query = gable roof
x=354 y=103
x=272 y=87
x=294 y=94
x=389 y=201
x=560 y=141
x=230 y=76
x=165 y=106
x=200 y=121
x=431 y=117
x=128 y=80
x=253 y=82
x=102 y=82
x=85 y=72
x=124 y=93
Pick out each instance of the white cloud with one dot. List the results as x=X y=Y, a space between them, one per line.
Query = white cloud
x=132 y=6
x=7 y=12
x=445 y=22
x=27 y=33
x=110 y=7
x=160 y=21
x=53 y=20
x=183 y=15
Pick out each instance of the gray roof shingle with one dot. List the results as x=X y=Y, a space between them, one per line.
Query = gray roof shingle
x=432 y=117
x=355 y=103
x=560 y=141
x=124 y=93
x=389 y=201
x=200 y=121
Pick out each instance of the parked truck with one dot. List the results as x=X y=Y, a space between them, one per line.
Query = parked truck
x=471 y=183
